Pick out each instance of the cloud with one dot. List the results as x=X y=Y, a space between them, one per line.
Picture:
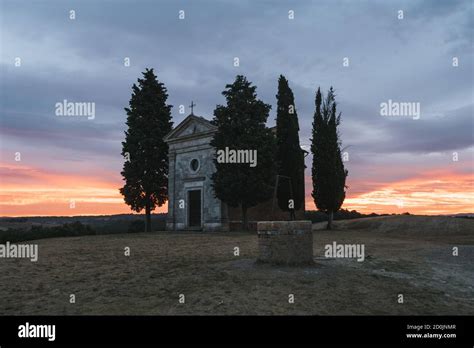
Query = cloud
x=407 y=60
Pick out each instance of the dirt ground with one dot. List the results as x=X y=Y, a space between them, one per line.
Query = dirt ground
x=403 y=255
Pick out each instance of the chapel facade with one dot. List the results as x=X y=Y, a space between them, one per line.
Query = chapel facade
x=191 y=201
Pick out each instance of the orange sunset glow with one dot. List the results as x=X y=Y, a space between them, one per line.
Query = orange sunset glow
x=28 y=191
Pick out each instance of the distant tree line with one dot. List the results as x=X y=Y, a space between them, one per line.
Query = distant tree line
x=76 y=229
x=341 y=214
x=39 y=232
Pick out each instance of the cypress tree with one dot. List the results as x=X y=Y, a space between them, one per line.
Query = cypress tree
x=145 y=170
x=328 y=173
x=289 y=157
x=241 y=126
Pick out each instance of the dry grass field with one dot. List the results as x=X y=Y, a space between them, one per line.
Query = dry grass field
x=409 y=255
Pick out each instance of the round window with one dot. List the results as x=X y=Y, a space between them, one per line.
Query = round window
x=194 y=165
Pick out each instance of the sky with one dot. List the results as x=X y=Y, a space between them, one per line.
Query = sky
x=56 y=165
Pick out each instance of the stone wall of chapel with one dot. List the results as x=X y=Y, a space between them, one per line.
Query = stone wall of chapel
x=185 y=179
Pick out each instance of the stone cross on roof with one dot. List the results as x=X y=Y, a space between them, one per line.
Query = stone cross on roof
x=192 y=107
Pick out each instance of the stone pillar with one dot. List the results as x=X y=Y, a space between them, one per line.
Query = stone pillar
x=285 y=242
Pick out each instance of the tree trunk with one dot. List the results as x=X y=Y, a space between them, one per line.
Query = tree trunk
x=292 y=215
x=147 y=215
x=330 y=217
x=245 y=223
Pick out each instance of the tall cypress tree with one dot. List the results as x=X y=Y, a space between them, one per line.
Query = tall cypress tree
x=328 y=173
x=241 y=126
x=289 y=157
x=145 y=170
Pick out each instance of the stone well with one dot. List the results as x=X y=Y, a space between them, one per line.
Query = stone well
x=285 y=242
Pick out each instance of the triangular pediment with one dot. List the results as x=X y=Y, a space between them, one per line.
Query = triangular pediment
x=191 y=126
